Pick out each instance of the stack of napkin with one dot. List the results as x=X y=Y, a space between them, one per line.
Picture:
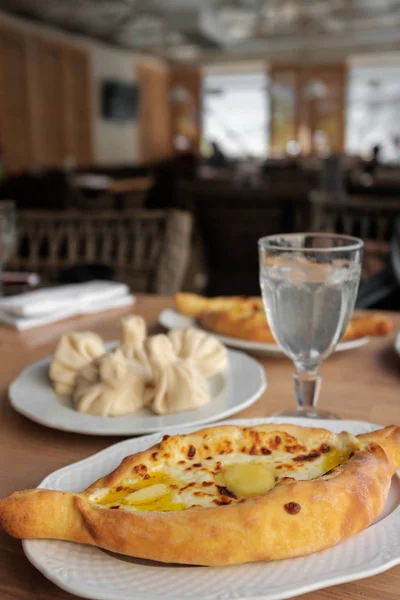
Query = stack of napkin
x=53 y=304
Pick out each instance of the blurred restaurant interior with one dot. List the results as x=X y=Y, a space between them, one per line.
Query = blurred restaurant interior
x=153 y=142
x=148 y=149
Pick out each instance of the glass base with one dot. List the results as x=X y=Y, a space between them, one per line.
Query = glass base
x=308 y=413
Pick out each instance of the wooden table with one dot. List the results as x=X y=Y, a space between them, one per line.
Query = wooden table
x=131 y=184
x=361 y=384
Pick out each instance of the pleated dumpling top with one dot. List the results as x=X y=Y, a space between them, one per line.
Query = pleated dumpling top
x=177 y=385
x=73 y=352
x=201 y=349
x=110 y=386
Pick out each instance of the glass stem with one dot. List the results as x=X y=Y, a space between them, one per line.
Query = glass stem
x=306 y=386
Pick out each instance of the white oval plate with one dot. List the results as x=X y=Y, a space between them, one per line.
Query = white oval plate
x=171 y=319
x=397 y=343
x=231 y=391
x=93 y=573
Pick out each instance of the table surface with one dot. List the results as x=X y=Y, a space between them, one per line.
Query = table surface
x=359 y=384
x=131 y=184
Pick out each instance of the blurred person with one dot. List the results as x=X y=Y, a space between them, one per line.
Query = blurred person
x=375 y=153
x=217 y=158
x=374 y=161
x=370 y=166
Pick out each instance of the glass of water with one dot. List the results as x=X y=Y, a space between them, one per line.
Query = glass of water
x=309 y=284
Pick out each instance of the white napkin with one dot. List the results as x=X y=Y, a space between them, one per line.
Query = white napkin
x=53 y=304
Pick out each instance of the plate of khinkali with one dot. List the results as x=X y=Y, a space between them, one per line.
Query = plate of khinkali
x=138 y=384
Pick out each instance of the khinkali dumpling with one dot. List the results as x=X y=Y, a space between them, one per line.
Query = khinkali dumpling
x=134 y=332
x=177 y=385
x=200 y=348
x=73 y=352
x=110 y=386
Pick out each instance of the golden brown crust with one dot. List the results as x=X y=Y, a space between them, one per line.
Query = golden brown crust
x=387 y=438
x=368 y=325
x=233 y=323
x=244 y=318
x=43 y=513
x=293 y=519
x=192 y=305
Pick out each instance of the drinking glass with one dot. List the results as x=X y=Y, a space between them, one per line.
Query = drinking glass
x=309 y=284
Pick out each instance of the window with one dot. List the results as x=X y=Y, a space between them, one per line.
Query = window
x=373 y=111
x=236 y=113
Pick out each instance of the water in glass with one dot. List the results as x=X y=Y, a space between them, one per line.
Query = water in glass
x=308 y=305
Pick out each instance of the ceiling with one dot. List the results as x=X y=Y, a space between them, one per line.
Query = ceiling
x=209 y=30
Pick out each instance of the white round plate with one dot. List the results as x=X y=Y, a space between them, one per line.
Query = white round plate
x=397 y=343
x=171 y=319
x=93 y=573
x=231 y=391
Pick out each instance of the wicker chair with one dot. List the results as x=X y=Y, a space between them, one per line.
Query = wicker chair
x=382 y=289
x=149 y=250
x=353 y=215
x=371 y=220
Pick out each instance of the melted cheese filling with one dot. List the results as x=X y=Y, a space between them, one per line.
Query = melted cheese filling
x=188 y=484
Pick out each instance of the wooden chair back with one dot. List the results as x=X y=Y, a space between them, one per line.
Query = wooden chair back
x=149 y=250
x=371 y=220
x=353 y=215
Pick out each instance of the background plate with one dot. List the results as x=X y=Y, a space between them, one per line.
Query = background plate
x=171 y=319
x=397 y=343
x=232 y=391
x=93 y=573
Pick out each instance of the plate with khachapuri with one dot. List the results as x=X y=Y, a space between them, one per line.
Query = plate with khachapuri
x=240 y=322
x=262 y=509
